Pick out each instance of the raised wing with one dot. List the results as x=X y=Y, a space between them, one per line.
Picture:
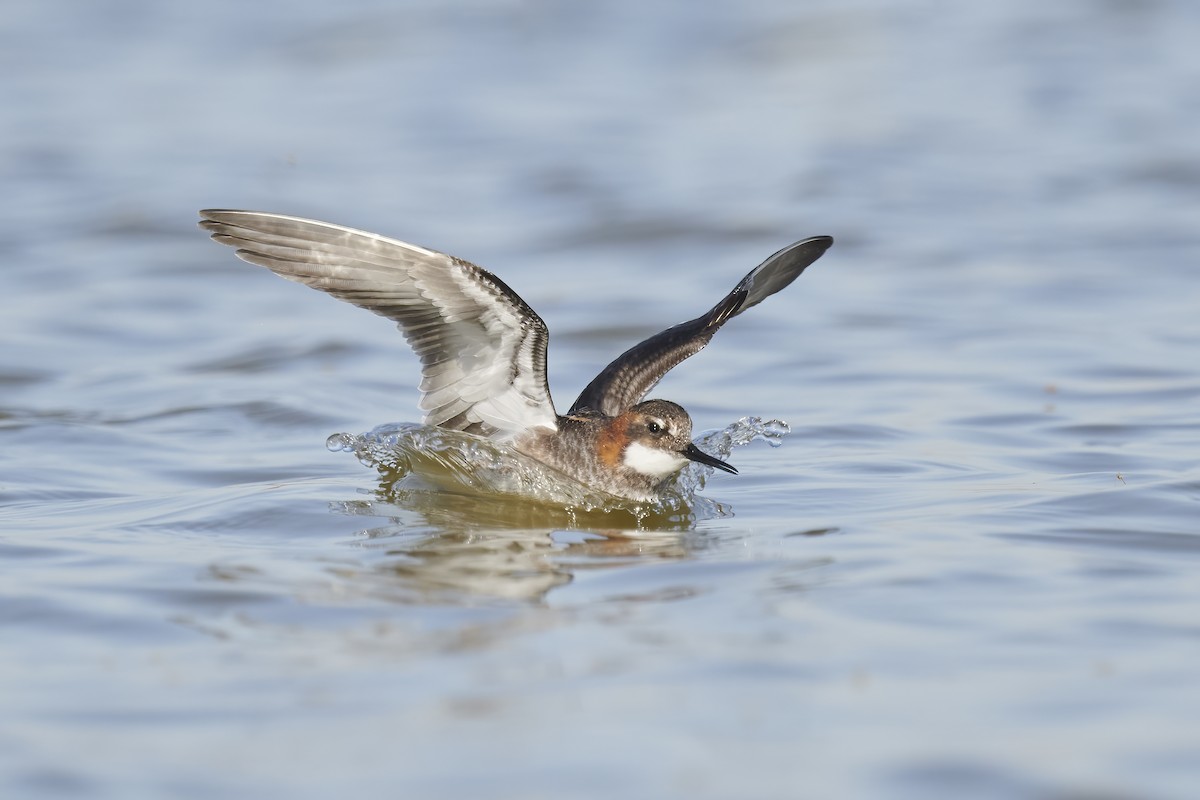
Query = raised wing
x=626 y=380
x=482 y=348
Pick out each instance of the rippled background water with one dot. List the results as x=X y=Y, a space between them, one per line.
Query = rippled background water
x=971 y=571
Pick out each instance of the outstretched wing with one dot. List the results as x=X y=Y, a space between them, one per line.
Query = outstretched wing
x=626 y=380
x=482 y=349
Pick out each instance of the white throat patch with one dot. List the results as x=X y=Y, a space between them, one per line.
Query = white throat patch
x=652 y=462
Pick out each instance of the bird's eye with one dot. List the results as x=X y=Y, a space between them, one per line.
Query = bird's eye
x=653 y=427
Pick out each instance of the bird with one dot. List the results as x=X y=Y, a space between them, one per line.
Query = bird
x=483 y=349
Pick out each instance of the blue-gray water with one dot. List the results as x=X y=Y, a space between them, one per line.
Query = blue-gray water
x=971 y=570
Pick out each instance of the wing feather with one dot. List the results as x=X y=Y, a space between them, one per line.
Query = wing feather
x=635 y=372
x=482 y=348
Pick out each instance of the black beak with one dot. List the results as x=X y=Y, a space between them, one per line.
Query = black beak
x=696 y=454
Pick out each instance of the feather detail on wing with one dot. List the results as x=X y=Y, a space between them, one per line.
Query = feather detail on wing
x=625 y=381
x=482 y=348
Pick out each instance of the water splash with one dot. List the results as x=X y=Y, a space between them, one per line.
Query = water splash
x=413 y=457
x=720 y=443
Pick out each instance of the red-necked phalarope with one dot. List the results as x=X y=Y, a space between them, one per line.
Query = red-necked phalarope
x=483 y=349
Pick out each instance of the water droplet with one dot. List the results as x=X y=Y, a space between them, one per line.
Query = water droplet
x=774 y=430
x=339 y=443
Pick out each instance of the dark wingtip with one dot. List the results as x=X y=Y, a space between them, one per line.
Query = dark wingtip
x=781 y=268
x=214 y=219
x=807 y=250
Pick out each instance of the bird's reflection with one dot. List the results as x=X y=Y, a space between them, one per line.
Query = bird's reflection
x=438 y=546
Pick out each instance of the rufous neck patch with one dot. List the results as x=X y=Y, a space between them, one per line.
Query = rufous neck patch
x=611 y=442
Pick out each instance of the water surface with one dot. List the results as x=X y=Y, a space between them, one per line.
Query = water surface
x=970 y=571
